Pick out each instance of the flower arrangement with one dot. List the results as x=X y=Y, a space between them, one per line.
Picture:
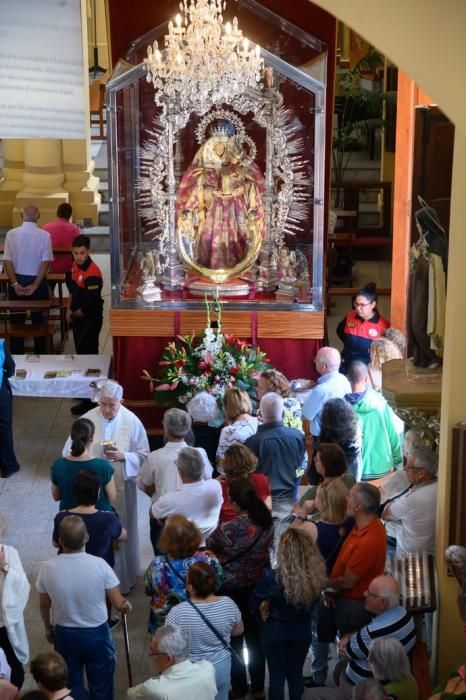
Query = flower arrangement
x=214 y=363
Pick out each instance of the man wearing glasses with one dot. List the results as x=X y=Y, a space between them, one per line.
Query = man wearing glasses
x=178 y=677
x=390 y=620
x=415 y=509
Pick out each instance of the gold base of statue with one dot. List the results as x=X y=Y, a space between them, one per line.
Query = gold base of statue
x=414 y=394
x=402 y=390
x=423 y=375
x=204 y=287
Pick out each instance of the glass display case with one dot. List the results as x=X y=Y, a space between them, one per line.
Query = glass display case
x=211 y=196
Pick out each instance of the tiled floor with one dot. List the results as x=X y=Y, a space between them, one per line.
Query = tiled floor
x=40 y=429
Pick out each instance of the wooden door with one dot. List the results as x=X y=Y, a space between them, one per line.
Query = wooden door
x=433 y=162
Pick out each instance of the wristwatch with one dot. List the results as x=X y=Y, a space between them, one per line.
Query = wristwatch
x=14 y=284
x=5 y=568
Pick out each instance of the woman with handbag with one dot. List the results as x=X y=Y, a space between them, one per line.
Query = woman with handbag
x=291 y=591
x=165 y=578
x=242 y=546
x=209 y=621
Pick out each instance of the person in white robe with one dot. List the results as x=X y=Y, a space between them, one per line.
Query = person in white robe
x=120 y=437
x=14 y=595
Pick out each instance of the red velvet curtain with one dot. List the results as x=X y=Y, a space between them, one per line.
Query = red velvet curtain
x=293 y=357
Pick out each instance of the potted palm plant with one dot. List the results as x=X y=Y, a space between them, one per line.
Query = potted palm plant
x=359 y=113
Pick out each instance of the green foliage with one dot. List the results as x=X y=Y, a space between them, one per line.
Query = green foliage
x=359 y=112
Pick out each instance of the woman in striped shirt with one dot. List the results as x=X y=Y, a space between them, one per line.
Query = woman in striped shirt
x=222 y=613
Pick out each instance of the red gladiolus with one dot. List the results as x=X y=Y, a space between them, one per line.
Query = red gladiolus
x=163 y=387
x=180 y=363
x=173 y=386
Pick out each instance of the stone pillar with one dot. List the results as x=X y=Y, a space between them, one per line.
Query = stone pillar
x=453 y=409
x=80 y=183
x=43 y=179
x=13 y=167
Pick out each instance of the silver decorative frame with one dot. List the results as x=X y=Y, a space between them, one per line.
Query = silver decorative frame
x=283 y=215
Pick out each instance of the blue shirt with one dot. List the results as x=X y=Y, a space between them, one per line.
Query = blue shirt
x=280 y=452
x=329 y=386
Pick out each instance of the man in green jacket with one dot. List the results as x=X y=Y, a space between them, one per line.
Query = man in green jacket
x=381 y=448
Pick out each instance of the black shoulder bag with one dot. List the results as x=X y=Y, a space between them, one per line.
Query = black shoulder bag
x=213 y=629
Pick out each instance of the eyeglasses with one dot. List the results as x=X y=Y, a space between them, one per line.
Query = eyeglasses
x=361 y=306
x=374 y=595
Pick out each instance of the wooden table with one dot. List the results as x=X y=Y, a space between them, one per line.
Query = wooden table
x=71 y=381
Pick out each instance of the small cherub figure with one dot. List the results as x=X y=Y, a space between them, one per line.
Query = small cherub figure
x=186 y=224
x=287 y=265
x=147 y=266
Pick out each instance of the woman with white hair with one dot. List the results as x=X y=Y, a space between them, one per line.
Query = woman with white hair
x=14 y=595
x=120 y=437
x=389 y=664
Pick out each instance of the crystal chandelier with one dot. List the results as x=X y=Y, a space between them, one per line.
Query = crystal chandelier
x=204 y=60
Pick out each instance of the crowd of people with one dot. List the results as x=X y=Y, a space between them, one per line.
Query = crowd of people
x=243 y=560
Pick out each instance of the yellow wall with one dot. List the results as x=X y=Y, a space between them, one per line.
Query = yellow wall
x=426 y=39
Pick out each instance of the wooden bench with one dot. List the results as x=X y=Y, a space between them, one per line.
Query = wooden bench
x=46 y=329
x=57 y=304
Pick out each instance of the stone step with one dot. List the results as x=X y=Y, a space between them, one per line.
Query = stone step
x=103 y=189
x=104 y=214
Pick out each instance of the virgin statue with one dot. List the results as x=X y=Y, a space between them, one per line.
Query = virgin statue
x=220 y=206
x=427 y=286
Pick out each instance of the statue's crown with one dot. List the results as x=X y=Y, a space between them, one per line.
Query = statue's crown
x=223 y=128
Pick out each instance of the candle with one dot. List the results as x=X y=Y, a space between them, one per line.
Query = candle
x=425 y=570
x=410 y=580
x=417 y=564
x=403 y=580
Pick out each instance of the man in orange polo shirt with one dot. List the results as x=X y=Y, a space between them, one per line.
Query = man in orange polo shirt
x=361 y=559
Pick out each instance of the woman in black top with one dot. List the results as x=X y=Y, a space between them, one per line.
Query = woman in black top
x=291 y=591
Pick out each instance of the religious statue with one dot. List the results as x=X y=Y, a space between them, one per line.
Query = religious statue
x=220 y=204
x=147 y=266
x=287 y=268
x=151 y=268
x=427 y=288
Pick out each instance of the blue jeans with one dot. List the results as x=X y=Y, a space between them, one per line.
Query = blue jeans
x=256 y=658
x=222 y=678
x=285 y=645
x=319 y=650
x=89 y=648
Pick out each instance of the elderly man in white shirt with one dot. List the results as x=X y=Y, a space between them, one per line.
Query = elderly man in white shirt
x=330 y=385
x=178 y=677
x=120 y=437
x=416 y=508
x=28 y=253
x=198 y=500
x=159 y=474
